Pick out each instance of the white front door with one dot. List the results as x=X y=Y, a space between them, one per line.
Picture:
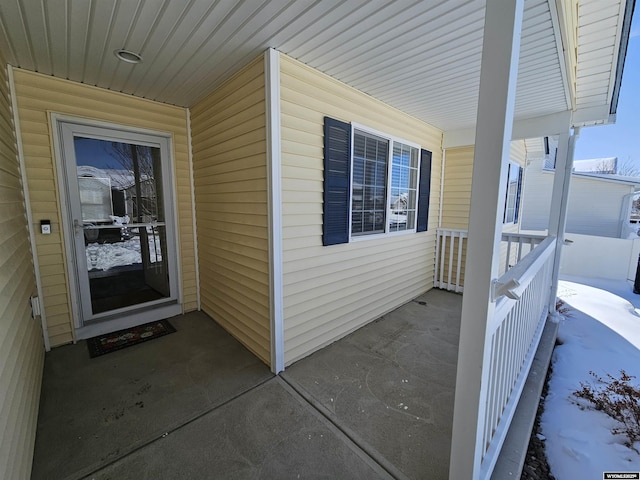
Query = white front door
x=121 y=225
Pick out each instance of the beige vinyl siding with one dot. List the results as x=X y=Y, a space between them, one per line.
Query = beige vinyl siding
x=518 y=152
x=230 y=171
x=456 y=201
x=330 y=291
x=21 y=347
x=458 y=171
x=456 y=196
x=37 y=95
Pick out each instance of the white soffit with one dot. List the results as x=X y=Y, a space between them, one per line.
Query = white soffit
x=599 y=31
x=421 y=56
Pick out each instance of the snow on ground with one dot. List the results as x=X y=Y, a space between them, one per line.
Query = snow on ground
x=109 y=255
x=600 y=333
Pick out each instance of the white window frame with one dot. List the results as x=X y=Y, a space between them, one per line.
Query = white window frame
x=506 y=221
x=391 y=139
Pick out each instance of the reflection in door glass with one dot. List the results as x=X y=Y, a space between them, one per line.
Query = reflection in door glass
x=120 y=191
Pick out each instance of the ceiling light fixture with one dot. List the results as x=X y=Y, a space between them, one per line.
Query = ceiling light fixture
x=128 y=56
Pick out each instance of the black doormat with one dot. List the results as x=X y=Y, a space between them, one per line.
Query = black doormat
x=111 y=342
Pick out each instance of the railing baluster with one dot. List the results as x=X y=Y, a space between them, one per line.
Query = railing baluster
x=442 y=257
x=446 y=251
x=459 y=269
x=519 y=248
x=508 y=259
x=451 y=249
x=436 y=280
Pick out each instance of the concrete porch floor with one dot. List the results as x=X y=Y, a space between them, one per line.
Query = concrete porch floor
x=197 y=405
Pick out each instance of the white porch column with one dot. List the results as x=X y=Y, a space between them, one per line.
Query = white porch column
x=560 y=204
x=500 y=54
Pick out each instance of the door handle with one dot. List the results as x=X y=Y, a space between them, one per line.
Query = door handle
x=77 y=226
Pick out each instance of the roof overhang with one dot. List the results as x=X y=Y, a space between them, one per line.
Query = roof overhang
x=420 y=57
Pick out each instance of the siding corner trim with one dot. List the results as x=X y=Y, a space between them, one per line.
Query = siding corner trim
x=274 y=176
x=27 y=204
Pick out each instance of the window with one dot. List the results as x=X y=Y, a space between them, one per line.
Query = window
x=550 y=154
x=374 y=185
x=404 y=187
x=514 y=188
x=383 y=189
x=369 y=184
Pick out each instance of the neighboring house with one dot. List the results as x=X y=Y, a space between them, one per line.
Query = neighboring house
x=286 y=137
x=608 y=165
x=599 y=203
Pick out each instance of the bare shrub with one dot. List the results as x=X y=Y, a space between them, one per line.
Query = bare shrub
x=619 y=399
x=562 y=308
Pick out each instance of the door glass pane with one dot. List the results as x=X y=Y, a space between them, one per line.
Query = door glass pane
x=124 y=235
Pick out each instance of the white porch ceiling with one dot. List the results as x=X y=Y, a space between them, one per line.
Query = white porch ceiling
x=421 y=56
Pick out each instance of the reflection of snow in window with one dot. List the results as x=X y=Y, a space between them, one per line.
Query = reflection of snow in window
x=404 y=187
x=104 y=256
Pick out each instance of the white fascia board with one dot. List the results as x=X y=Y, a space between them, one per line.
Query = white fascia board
x=604 y=178
x=560 y=26
x=591 y=115
x=459 y=138
x=536 y=127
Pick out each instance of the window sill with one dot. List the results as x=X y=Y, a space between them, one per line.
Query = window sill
x=377 y=236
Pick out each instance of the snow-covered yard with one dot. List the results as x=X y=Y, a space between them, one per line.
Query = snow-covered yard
x=600 y=333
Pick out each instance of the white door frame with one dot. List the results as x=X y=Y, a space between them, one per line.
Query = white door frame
x=143 y=315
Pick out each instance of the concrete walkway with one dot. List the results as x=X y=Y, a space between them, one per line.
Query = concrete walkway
x=197 y=405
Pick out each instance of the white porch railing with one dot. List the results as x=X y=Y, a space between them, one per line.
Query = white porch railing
x=518 y=245
x=451 y=248
x=522 y=295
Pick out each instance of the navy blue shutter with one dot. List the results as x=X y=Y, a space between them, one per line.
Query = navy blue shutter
x=337 y=185
x=424 y=190
x=506 y=195
x=518 y=192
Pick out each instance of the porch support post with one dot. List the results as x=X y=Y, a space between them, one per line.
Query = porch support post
x=559 y=205
x=500 y=54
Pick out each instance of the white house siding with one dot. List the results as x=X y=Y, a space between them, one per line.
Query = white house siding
x=37 y=96
x=21 y=346
x=595 y=206
x=536 y=197
x=330 y=291
x=230 y=172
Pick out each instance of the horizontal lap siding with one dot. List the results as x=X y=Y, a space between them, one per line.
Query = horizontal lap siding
x=456 y=199
x=596 y=207
x=518 y=152
x=37 y=95
x=21 y=348
x=458 y=172
x=536 y=196
x=230 y=171
x=331 y=291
